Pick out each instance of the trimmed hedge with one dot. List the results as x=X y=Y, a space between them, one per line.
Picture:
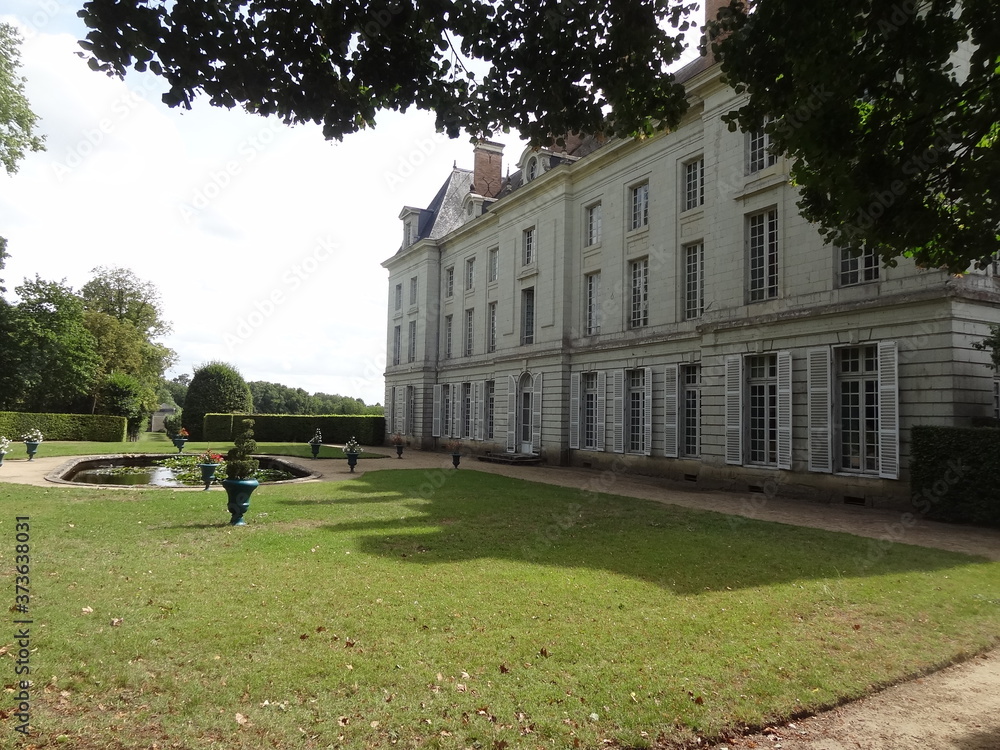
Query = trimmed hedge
x=955 y=474
x=298 y=428
x=102 y=428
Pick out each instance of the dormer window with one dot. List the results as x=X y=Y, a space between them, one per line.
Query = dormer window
x=407 y=233
x=532 y=169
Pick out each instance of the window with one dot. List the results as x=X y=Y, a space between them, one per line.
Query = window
x=528 y=316
x=409 y=236
x=449 y=281
x=409 y=411
x=491 y=327
x=447 y=336
x=467 y=410
x=532 y=169
x=470 y=274
x=470 y=327
x=858 y=268
x=639 y=200
x=691 y=404
x=762 y=397
x=759 y=154
x=446 y=412
x=413 y=290
x=490 y=409
x=635 y=425
x=857 y=404
x=528 y=246
x=694 y=281
x=396 y=344
x=398 y=297
x=411 y=342
x=494 y=269
x=593 y=214
x=694 y=184
x=590 y=422
x=639 y=307
x=762 y=255
x=593 y=311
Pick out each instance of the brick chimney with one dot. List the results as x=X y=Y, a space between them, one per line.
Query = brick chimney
x=712 y=9
x=487 y=176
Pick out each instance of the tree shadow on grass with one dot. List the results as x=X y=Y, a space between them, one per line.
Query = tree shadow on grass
x=688 y=551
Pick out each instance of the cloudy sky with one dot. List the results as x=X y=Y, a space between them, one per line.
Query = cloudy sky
x=264 y=241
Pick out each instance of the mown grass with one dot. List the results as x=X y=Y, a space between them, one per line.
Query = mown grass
x=157 y=442
x=458 y=610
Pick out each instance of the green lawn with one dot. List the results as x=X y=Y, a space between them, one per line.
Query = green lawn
x=157 y=442
x=458 y=609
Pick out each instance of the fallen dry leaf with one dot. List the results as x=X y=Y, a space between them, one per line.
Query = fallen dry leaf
x=88 y=610
x=241 y=719
x=116 y=621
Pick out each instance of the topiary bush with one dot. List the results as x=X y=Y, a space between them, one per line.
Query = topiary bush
x=215 y=387
x=240 y=463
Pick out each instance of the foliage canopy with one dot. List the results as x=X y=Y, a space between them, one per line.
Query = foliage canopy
x=217 y=387
x=888 y=110
x=17 y=121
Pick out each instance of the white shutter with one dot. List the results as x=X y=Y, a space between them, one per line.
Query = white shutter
x=602 y=393
x=671 y=412
x=480 y=409
x=734 y=410
x=407 y=427
x=647 y=411
x=888 y=410
x=819 y=396
x=511 y=414
x=390 y=408
x=536 y=413
x=574 y=409
x=618 y=407
x=397 y=417
x=784 y=410
x=436 y=409
x=457 y=409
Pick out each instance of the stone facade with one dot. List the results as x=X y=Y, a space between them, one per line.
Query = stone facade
x=660 y=307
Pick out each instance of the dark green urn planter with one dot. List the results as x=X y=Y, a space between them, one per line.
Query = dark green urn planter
x=32 y=447
x=239 y=491
x=315 y=449
x=208 y=473
x=1 y=458
x=456 y=459
x=352 y=461
x=179 y=443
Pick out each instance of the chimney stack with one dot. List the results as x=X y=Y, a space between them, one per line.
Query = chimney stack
x=487 y=177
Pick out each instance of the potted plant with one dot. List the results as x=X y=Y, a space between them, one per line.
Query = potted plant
x=240 y=468
x=4 y=446
x=397 y=440
x=209 y=462
x=31 y=440
x=180 y=438
x=315 y=442
x=455 y=446
x=351 y=450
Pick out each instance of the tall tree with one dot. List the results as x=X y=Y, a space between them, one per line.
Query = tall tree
x=888 y=110
x=54 y=362
x=591 y=66
x=17 y=121
x=118 y=292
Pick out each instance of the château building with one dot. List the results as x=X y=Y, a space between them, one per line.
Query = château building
x=660 y=307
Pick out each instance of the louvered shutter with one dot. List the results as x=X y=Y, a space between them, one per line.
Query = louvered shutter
x=399 y=411
x=647 y=411
x=480 y=409
x=574 y=409
x=618 y=407
x=734 y=410
x=784 y=410
x=819 y=396
x=536 y=413
x=511 y=414
x=671 y=411
x=457 y=409
x=888 y=410
x=602 y=393
x=436 y=409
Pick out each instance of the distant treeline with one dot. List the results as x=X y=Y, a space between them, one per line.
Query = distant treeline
x=275 y=398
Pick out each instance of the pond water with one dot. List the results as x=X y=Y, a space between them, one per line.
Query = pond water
x=165 y=471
